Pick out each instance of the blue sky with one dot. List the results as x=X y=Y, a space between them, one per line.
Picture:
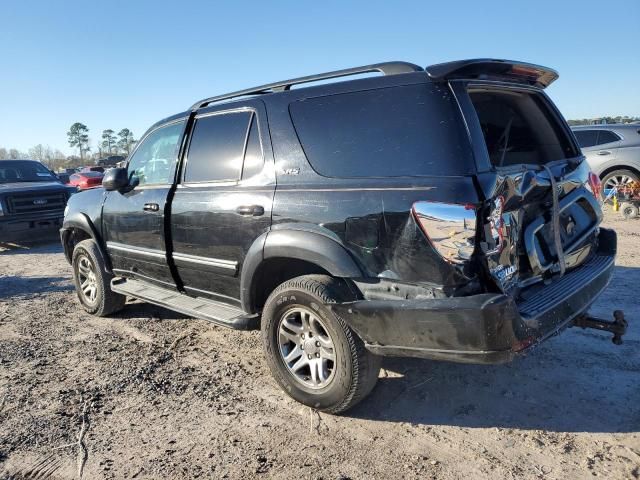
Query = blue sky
x=115 y=64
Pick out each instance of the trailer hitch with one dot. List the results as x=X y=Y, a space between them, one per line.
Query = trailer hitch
x=618 y=327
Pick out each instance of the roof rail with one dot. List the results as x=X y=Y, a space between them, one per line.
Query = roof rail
x=386 y=68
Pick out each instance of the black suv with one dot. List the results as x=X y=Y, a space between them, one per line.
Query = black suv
x=110 y=161
x=32 y=201
x=444 y=213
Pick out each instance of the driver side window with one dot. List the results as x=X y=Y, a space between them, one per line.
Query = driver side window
x=154 y=160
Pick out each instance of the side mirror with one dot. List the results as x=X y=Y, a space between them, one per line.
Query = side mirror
x=115 y=179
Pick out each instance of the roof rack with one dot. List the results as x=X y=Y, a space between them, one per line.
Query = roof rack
x=386 y=68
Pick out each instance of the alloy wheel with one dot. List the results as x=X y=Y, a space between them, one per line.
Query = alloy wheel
x=306 y=348
x=617 y=181
x=87 y=279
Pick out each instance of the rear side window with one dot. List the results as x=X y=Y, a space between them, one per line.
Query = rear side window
x=519 y=128
x=586 y=138
x=607 y=136
x=253 y=158
x=412 y=130
x=217 y=147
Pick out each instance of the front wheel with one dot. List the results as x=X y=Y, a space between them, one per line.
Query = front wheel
x=312 y=353
x=93 y=283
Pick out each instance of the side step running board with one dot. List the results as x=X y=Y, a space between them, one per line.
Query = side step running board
x=216 y=312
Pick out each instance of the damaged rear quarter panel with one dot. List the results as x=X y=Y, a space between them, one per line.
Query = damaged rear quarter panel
x=372 y=219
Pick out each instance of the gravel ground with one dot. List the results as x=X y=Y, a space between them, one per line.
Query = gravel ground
x=149 y=393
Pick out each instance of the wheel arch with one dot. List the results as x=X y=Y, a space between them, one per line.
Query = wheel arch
x=613 y=168
x=280 y=255
x=77 y=227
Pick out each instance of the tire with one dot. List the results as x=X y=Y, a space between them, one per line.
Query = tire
x=629 y=210
x=617 y=177
x=354 y=370
x=88 y=265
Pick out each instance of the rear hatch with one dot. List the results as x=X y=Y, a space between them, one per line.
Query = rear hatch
x=529 y=153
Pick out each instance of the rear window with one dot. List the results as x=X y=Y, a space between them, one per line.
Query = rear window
x=607 y=136
x=412 y=130
x=519 y=128
x=586 y=138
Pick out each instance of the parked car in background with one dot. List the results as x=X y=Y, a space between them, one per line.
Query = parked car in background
x=86 y=180
x=612 y=151
x=32 y=200
x=110 y=161
x=92 y=169
x=63 y=177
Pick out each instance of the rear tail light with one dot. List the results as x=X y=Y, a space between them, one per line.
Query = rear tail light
x=451 y=228
x=595 y=185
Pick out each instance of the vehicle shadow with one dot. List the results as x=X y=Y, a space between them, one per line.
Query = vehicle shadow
x=17 y=286
x=137 y=309
x=41 y=246
x=575 y=382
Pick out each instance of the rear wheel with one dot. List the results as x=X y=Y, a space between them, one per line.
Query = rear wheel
x=618 y=178
x=93 y=283
x=312 y=353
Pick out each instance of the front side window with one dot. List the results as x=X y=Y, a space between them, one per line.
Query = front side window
x=154 y=160
x=217 y=147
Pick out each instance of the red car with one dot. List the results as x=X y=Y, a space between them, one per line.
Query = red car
x=85 y=180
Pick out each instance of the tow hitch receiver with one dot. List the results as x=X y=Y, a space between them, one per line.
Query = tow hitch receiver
x=618 y=327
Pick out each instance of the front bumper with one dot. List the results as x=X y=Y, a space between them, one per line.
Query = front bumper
x=485 y=328
x=30 y=228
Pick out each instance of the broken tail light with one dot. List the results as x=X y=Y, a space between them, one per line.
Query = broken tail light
x=494 y=238
x=451 y=228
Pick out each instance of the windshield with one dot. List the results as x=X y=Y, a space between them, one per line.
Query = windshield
x=24 y=171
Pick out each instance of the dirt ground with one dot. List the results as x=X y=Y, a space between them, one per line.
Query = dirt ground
x=149 y=393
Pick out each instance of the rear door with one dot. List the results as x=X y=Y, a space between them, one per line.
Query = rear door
x=133 y=221
x=223 y=200
x=527 y=148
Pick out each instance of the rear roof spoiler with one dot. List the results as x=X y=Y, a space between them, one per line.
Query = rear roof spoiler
x=493 y=69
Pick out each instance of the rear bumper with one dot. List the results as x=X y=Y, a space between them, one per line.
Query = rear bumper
x=31 y=227
x=486 y=328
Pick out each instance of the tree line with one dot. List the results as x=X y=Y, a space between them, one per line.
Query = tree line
x=605 y=120
x=78 y=137
x=111 y=143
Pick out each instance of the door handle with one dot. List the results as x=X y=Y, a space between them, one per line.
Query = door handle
x=250 y=210
x=151 y=207
x=604 y=152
